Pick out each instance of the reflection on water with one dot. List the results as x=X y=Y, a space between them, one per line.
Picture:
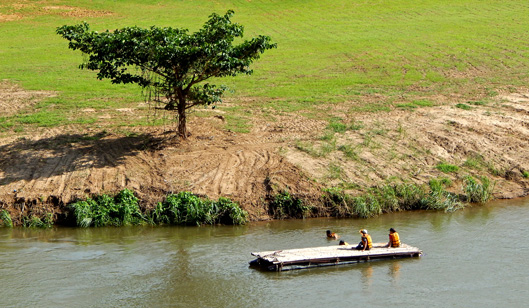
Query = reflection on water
x=463 y=265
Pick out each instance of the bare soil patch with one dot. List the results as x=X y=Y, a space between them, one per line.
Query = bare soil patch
x=13 y=98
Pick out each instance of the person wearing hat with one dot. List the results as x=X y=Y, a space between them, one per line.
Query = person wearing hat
x=394 y=240
x=366 y=243
x=332 y=235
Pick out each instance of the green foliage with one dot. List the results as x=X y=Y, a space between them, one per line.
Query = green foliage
x=170 y=63
x=356 y=125
x=185 y=208
x=338 y=202
x=463 y=106
x=35 y=221
x=390 y=198
x=366 y=206
x=285 y=205
x=525 y=174
x=414 y=104
x=337 y=127
x=348 y=151
x=474 y=162
x=447 y=168
x=477 y=192
x=104 y=210
x=477 y=103
x=5 y=218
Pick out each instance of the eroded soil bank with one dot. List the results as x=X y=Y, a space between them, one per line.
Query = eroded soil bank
x=45 y=169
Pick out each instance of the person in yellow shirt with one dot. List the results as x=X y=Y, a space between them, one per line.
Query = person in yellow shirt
x=394 y=239
x=343 y=243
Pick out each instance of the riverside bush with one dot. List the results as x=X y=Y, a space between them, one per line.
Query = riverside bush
x=104 y=210
x=285 y=205
x=185 y=208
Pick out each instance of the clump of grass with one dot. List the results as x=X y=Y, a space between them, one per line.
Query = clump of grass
x=337 y=127
x=356 y=125
x=284 y=205
x=348 y=151
x=186 y=208
x=390 y=198
x=447 y=168
x=525 y=174
x=477 y=103
x=366 y=206
x=5 y=218
x=335 y=171
x=35 y=221
x=463 y=106
x=104 y=210
x=477 y=192
x=474 y=162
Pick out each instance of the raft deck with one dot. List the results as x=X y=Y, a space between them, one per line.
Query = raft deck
x=285 y=260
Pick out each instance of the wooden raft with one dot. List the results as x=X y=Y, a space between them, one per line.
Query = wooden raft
x=291 y=259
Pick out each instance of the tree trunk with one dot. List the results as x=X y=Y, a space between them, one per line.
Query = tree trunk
x=182 y=128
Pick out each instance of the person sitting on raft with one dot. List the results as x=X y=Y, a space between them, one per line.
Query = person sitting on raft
x=366 y=243
x=343 y=243
x=332 y=235
x=394 y=240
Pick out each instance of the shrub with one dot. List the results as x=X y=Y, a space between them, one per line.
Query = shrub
x=338 y=202
x=186 y=208
x=286 y=206
x=525 y=174
x=104 y=210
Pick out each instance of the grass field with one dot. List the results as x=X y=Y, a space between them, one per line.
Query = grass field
x=368 y=55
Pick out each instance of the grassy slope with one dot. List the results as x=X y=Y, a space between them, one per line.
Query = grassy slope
x=329 y=51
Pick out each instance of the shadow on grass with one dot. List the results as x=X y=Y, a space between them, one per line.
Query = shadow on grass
x=36 y=159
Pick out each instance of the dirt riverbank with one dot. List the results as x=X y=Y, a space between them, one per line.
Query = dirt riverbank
x=41 y=170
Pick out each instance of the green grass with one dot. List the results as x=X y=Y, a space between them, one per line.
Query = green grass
x=525 y=174
x=328 y=52
x=447 y=168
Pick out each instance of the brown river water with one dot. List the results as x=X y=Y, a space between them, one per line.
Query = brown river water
x=477 y=257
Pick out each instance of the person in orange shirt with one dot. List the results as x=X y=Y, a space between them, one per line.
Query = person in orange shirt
x=332 y=235
x=394 y=239
x=366 y=243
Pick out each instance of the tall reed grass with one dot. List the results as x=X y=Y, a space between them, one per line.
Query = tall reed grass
x=5 y=218
x=390 y=198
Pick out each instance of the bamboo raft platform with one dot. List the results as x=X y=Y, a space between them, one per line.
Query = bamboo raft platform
x=291 y=259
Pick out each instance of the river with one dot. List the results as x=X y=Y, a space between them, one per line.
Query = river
x=476 y=257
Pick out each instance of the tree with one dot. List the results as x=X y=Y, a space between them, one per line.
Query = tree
x=171 y=64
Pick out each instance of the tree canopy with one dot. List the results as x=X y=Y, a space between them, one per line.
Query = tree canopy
x=171 y=63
